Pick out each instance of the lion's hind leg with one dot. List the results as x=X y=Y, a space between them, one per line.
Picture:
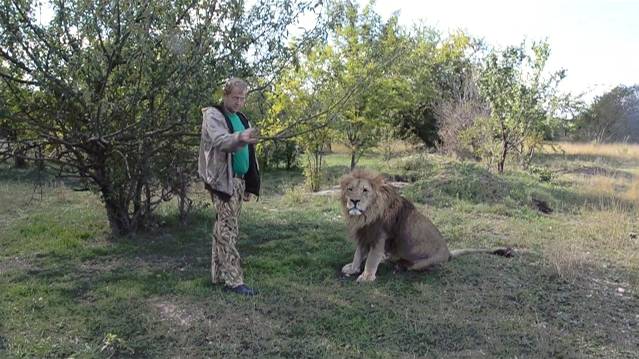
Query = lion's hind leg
x=426 y=263
x=400 y=265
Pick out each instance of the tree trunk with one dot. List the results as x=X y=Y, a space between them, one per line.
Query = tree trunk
x=353 y=159
x=117 y=209
x=317 y=170
x=119 y=219
x=502 y=158
x=527 y=159
x=19 y=159
x=184 y=202
x=291 y=155
x=184 y=205
x=19 y=154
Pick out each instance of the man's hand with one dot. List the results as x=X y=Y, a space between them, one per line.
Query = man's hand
x=250 y=135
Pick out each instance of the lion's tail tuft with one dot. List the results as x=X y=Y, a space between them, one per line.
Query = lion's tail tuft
x=504 y=252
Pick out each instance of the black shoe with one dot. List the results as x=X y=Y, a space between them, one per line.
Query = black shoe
x=240 y=289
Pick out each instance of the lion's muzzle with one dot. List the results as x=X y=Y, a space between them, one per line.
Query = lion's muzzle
x=352 y=207
x=355 y=211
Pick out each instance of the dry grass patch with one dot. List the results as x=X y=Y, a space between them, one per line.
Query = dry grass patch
x=604 y=186
x=567 y=258
x=632 y=192
x=621 y=151
x=611 y=232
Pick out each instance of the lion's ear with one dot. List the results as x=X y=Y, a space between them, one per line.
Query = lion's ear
x=378 y=181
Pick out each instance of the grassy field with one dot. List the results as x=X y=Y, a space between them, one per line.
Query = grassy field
x=68 y=290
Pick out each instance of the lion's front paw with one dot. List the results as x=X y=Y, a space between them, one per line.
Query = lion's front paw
x=366 y=277
x=350 y=269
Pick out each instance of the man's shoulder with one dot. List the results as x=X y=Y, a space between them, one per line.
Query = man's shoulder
x=212 y=111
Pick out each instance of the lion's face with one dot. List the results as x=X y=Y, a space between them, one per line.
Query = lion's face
x=359 y=192
x=359 y=195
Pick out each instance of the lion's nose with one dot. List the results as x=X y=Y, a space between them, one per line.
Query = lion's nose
x=354 y=201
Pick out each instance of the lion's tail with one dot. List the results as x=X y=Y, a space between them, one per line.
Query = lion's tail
x=500 y=251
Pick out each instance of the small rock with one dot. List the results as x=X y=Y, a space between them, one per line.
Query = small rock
x=399 y=184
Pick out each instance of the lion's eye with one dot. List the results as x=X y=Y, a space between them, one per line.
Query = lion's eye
x=365 y=189
x=350 y=189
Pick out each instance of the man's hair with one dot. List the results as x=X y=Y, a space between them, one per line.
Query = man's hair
x=235 y=82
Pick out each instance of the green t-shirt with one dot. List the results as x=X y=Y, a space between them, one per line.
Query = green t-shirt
x=241 y=156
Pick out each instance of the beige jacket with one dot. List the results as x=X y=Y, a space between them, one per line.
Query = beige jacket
x=216 y=146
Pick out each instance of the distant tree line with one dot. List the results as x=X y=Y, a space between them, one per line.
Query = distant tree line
x=612 y=117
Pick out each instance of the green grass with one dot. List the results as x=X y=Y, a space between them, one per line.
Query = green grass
x=68 y=290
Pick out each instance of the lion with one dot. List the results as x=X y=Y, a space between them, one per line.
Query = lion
x=386 y=225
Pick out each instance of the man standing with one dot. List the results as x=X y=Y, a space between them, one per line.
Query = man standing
x=228 y=166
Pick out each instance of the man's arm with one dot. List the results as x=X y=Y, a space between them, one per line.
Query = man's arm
x=215 y=125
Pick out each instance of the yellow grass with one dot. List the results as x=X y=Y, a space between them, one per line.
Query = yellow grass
x=593 y=238
x=632 y=193
x=603 y=185
x=566 y=258
x=618 y=150
x=607 y=224
x=604 y=182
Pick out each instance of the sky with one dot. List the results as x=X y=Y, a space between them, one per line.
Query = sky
x=596 y=41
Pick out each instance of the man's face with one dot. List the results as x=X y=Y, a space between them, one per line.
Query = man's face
x=235 y=100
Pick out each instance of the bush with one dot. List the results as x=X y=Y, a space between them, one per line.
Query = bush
x=544 y=174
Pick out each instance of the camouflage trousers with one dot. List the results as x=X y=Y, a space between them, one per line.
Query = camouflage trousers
x=225 y=259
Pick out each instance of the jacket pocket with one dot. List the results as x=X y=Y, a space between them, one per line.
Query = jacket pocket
x=219 y=168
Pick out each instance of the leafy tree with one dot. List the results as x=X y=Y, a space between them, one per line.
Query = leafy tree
x=613 y=116
x=522 y=101
x=417 y=119
x=458 y=103
x=366 y=54
x=302 y=107
x=457 y=115
x=435 y=69
x=112 y=90
x=342 y=88
x=10 y=131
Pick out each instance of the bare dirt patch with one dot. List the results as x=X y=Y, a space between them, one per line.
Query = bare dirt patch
x=176 y=311
x=10 y=264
